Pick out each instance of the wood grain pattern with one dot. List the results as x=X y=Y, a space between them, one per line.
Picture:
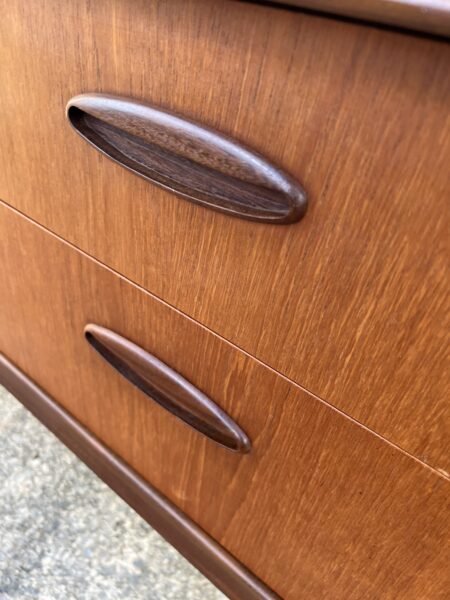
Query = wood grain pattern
x=166 y=387
x=320 y=508
x=210 y=558
x=351 y=302
x=431 y=16
x=196 y=163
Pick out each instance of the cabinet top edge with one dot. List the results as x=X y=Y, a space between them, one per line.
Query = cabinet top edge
x=426 y=16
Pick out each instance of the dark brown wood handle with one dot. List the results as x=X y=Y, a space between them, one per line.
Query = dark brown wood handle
x=167 y=388
x=194 y=162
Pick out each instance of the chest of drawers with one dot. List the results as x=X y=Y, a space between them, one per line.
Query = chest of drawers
x=320 y=343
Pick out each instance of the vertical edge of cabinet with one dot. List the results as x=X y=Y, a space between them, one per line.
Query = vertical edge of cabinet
x=220 y=567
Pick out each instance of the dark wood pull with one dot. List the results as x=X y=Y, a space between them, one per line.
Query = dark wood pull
x=196 y=163
x=167 y=388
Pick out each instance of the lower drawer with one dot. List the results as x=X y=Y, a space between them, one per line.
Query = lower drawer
x=320 y=506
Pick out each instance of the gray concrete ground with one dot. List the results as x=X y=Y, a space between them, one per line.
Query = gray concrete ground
x=64 y=535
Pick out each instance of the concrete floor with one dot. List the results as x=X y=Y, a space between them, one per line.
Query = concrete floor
x=65 y=535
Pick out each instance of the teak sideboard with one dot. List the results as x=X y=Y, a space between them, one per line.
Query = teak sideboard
x=224 y=236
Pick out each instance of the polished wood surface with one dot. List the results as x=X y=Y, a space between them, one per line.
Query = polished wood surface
x=197 y=163
x=210 y=558
x=431 y=16
x=351 y=301
x=166 y=387
x=320 y=507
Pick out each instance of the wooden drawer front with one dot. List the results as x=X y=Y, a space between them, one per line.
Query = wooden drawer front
x=320 y=507
x=350 y=301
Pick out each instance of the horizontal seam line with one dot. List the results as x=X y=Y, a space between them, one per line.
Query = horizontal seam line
x=436 y=471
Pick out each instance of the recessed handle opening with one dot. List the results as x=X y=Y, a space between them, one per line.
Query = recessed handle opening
x=167 y=387
x=194 y=162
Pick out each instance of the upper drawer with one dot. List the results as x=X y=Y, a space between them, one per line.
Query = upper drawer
x=349 y=302
x=319 y=508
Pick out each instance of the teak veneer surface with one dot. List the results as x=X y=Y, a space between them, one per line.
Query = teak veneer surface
x=320 y=507
x=351 y=301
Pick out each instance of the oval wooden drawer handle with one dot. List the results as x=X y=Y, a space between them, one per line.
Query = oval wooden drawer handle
x=197 y=163
x=167 y=388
